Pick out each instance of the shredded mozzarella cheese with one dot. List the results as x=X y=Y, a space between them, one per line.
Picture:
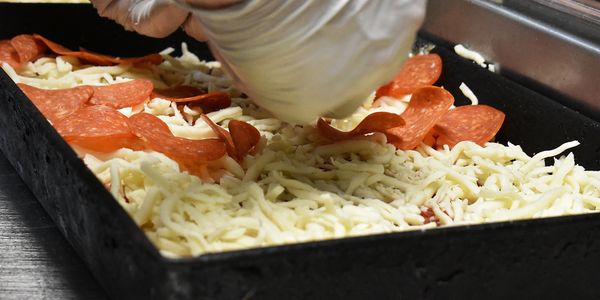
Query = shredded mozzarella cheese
x=470 y=54
x=295 y=191
x=468 y=93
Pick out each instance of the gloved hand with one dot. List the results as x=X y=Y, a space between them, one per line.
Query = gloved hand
x=156 y=18
x=302 y=59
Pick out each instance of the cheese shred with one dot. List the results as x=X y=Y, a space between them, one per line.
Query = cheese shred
x=294 y=190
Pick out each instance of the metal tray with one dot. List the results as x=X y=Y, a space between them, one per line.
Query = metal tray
x=552 y=46
x=554 y=257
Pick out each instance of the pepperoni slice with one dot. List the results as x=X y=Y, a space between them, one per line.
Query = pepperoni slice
x=245 y=137
x=223 y=135
x=209 y=102
x=430 y=138
x=418 y=71
x=28 y=48
x=429 y=215
x=194 y=97
x=97 y=128
x=54 y=47
x=8 y=54
x=88 y=55
x=426 y=107
x=475 y=123
x=57 y=104
x=96 y=58
x=124 y=94
x=156 y=136
x=177 y=93
x=239 y=140
x=375 y=122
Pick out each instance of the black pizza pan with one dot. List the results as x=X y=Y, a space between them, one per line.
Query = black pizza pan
x=554 y=258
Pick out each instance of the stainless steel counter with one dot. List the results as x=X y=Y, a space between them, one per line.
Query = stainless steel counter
x=552 y=50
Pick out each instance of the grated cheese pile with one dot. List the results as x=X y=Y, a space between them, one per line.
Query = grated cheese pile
x=294 y=190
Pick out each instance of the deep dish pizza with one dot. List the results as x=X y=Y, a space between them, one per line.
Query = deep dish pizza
x=200 y=168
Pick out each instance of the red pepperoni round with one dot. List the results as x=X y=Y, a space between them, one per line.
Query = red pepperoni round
x=244 y=137
x=57 y=104
x=54 y=47
x=475 y=123
x=209 y=102
x=8 y=54
x=96 y=58
x=125 y=94
x=156 y=136
x=429 y=215
x=194 y=97
x=375 y=122
x=28 y=48
x=426 y=107
x=239 y=140
x=417 y=71
x=102 y=59
x=97 y=128
x=177 y=93
x=223 y=135
x=430 y=138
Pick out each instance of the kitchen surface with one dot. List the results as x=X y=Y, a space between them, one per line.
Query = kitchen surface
x=37 y=261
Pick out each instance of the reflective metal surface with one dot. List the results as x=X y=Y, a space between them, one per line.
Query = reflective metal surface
x=586 y=9
x=547 y=49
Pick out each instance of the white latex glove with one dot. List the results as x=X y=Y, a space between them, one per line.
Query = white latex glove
x=156 y=18
x=302 y=59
